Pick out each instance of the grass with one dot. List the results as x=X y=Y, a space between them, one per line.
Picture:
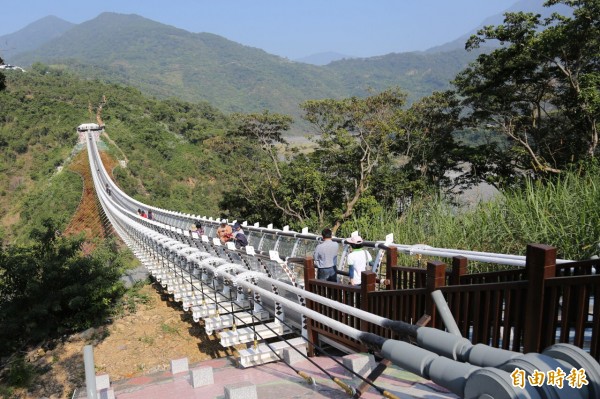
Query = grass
x=167 y=329
x=562 y=212
x=146 y=339
x=6 y=392
x=132 y=298
x=20 y=374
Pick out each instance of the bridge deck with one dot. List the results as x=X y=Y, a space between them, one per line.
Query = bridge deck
x=273 y=381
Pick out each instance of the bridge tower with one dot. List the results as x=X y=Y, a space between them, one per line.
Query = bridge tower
x=94 y=128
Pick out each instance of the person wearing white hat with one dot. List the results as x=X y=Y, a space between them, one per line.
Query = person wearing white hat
x=358 y=259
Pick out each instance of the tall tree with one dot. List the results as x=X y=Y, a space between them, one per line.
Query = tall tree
x=370 y=152
x=266 y=129
x=355 y=138
x=256 y=168
x=425 y=141
x=541 y=88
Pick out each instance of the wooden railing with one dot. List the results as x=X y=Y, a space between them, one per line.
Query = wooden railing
x=406 y=277
x=343 y=293
x=572 y=310
x=492 y=314
x=524 y=309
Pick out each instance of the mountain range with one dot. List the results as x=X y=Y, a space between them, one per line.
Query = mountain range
x=165 y=61
x=33 y=36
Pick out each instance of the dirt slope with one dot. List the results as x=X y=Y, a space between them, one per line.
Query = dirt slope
x=135 y=343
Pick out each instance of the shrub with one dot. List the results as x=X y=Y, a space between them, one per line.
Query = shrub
x=50 y=288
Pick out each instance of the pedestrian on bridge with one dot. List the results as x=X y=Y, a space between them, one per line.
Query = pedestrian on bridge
x=197 y=228
x=225 y=233
x=326 y=254
x=239 y=238
x=358 y=259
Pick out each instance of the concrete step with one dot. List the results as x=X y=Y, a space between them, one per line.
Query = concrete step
x=239 y=318
x=246 y=334
x=264 y=352
x=209 y=309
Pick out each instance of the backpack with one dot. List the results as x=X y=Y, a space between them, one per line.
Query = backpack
x=241 y=240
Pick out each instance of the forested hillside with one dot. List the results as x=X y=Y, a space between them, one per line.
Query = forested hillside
x=419 y=74
x=164 y=61
x=373 y=152
x=167 y=145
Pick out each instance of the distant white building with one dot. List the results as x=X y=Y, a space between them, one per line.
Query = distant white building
x=94 y=128
x=9 y=67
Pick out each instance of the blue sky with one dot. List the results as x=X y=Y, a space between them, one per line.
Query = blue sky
x=289 y=28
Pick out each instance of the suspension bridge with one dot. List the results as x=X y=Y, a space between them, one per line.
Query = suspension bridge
x=468 y=333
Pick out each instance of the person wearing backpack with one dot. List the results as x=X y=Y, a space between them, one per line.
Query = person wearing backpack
x=239 y=238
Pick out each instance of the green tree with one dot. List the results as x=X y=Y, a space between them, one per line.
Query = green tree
x=425 y=139
x=266 y=129
x=370 y=153
x=541 y=88
x=251 y=158
x=356 y=135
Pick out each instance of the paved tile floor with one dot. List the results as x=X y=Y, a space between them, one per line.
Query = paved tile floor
x=274 y=381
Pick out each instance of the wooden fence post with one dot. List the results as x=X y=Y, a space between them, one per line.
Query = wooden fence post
x=540 y=264
x=309 y=274
x=459 y=268
x=368 y=284
x=391 y=261
x=436 y=278
x=309 y=269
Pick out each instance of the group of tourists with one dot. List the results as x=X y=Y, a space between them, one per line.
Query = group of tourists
x=227 y=233
x=325 y=255
x=145 y=215
x=326 y=258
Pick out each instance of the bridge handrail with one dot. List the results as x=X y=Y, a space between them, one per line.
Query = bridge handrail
x=182 y=220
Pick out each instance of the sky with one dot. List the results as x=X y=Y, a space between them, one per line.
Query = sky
x=288 y=28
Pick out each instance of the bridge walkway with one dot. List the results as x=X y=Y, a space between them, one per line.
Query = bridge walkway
x=274 y=381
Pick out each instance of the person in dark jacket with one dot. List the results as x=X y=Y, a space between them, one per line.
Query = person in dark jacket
x=239 y=238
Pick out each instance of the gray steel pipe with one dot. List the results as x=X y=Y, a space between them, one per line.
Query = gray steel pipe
x=90 y=372
x=444 y=311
